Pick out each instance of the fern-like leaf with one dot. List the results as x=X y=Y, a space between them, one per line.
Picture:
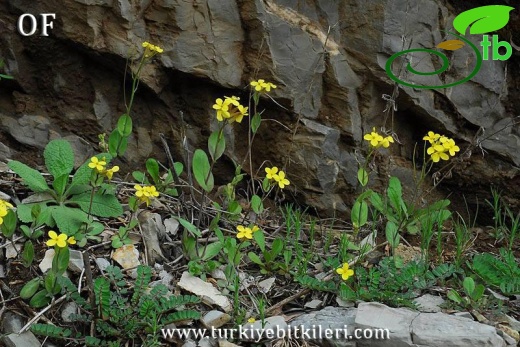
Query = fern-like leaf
x=180 y=316
x=102 y=296
x=144 y=276
x=50 y=330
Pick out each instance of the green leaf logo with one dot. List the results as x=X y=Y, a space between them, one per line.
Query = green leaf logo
x=482 y=19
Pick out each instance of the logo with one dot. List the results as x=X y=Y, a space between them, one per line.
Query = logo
x=480 y=20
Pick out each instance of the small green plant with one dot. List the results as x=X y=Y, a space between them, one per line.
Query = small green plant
x=68 y=202
x=269 y=262
x=121 y=316
x=52 y=280
x=164 y=184
x=392 y=283
x=474 y=295
x=500 y=272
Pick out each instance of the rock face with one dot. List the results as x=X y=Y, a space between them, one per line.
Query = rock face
x=327 y=58
x=397 y=328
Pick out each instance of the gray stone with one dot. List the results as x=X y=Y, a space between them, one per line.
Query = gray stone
x=437 y=330
x=379 y=316
x=11 y=323
x=26 y=339
x=102 y=263
x=270 y=327
x=69 y=309
x=76 y=263
x=152 y=227
x=208 y=342
x=190 y=343
x=29 y=130
x=429 y=303
x=329 y=318
x=215 y=319
x=466 y=315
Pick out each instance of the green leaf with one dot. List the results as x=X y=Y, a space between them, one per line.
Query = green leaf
x=359 y=214
x=32 y=178
x=216 y=144
x=362 y=176
x=478 y=292
x=59 y=158
x=178 y=167
x=395 y=195
x=40 y=299
x=201 y=170
x=454 y=296
x=152 y=166
x=102 y=296
x=256 y=204
x=469 y=285
x=68 y=220
x=392 y=234
x=60 y=183
x=211 y=250
x=483 y=19
x=265 y=184
x=254 y=258
x=28 y=253
x=377 y=202
x=260 y=240
x=8 y=226
x=140 y=177
x=60 y=262
x=30 y=288
x=51 y=283
x=117 y=144
x=103 y=205
x=190 y=227
x=124 y=125
x=276 y=248
x=255 y=122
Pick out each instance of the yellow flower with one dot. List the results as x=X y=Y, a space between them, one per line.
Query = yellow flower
x=271 y=173
x=239 y=113
x=451 y=147
x=431 y=137
x=373 y=138
x=251 y=320
x=244 y=233
x=345 y=272
x=441 y=147
x=385 y=142
x=4 y=206
x=258 y=85
x=261 y=86
x=98 y=165
x=222 y=109
x=57 y=240
x=144 y=194
x=282 y=181
x=110 y=172
x=151 y=50
x=268 y=86
x=71 y=240
x=437 y=153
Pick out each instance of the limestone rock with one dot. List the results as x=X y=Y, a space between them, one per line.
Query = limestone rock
x=327 y=58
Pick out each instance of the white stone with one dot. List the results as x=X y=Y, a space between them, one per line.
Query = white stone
x=205 y=291
x=46 y=262
x=127 y=256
